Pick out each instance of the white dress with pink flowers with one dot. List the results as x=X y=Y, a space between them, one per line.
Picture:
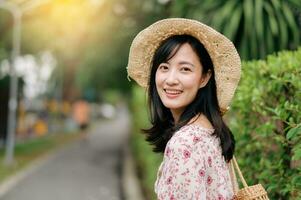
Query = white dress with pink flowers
x=193 y=167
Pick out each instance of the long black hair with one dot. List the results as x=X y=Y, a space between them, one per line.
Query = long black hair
x=205 y=103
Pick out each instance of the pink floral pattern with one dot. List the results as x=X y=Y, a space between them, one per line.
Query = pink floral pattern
x=193 y=167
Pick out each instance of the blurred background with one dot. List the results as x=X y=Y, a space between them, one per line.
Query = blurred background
x=63 y=72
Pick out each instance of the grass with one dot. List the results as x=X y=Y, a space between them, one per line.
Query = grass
x=32 y=149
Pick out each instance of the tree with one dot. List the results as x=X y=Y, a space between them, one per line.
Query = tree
x=257 y=27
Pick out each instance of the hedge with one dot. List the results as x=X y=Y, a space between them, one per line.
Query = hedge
x=265 y=119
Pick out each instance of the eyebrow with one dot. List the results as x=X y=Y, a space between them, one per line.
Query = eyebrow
x=184 y=63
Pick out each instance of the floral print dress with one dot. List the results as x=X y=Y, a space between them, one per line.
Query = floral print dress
x=193 y=167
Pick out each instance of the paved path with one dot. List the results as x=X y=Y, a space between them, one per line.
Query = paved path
x=86 y=170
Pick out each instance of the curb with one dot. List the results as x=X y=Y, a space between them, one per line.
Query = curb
x=130 y=182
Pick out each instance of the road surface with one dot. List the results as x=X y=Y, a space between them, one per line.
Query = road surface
x=89 y=169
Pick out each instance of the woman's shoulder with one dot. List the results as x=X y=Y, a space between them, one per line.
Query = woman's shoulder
x=191 y=134
x=202 y=121
x=198 y=125
x=194 y=139
x=197 y=132
x=194 y=129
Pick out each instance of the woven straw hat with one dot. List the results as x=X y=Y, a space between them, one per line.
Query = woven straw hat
x=223 y=54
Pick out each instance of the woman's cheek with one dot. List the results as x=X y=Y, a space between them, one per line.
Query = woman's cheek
x=160 y=79
x=190 y=81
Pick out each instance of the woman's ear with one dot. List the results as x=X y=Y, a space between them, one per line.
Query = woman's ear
x=205 y=78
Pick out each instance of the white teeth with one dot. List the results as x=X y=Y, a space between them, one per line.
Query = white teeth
x=173 y=91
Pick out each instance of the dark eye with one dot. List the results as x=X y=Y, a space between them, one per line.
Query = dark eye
x=163 y=67
x=186 y=69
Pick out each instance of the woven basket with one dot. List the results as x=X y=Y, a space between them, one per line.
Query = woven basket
x=254 y=192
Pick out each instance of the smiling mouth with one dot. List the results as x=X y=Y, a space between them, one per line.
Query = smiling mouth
x=172 y=92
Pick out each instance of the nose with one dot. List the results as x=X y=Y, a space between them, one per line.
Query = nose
x=172 y=77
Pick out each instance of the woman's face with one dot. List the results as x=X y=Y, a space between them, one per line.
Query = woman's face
x=179 y=79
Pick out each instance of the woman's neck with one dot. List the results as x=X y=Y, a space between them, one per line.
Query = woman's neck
x=176 y=114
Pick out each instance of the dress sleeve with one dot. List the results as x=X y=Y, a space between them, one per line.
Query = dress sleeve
x=195 y=169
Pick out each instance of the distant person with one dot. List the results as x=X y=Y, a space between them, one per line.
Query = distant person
x=81 y=114
x=191 y=73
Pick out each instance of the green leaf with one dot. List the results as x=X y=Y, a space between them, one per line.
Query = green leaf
x=296 y=180
x=259 y=24
x=272 y=18
x=247 y=11
x=269 y=40
x=233 y=26
x=291 y=22
x=297 y=155
x=283 y=31
x=220 y=20
x=293 y=132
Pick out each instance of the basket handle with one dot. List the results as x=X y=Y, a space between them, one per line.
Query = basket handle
x=233 y=178
x=234 y=166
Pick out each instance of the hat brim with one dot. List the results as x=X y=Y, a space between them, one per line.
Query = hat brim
x=223 y=53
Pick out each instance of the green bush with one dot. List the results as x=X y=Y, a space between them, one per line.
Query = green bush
x=147 y=161
x=265 y=119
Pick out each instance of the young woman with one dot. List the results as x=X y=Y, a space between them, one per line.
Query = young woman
x=190 y=72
